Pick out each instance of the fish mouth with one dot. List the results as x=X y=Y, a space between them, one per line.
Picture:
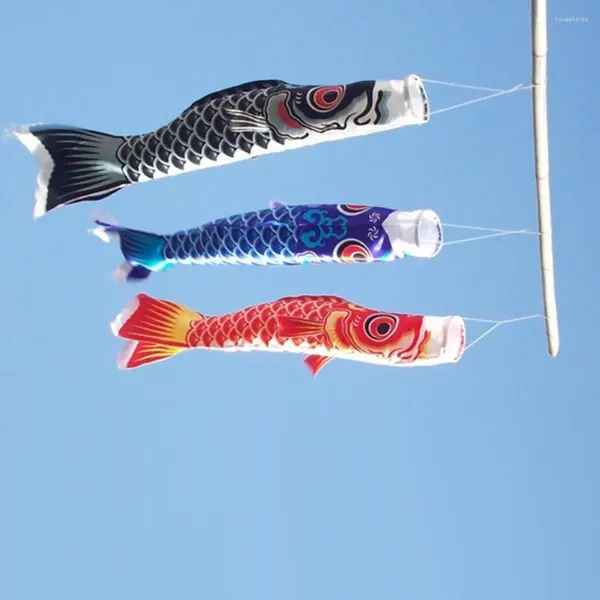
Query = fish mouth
x=429 y=233
x=416 y=97
x=448 y=336
x=446 y=343
x=416 y=233
x=454 y=339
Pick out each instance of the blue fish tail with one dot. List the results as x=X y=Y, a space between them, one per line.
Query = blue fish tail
x=144 y=252
x=129 y=273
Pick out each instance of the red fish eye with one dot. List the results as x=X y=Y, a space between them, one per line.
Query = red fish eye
x=327 y=98
x=380 y=327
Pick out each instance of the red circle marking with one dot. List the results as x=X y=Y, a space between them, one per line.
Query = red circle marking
x=324 y=104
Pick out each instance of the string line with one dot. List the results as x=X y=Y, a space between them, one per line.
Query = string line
x=495 y=325
x=491 y=229
x=504 y=321
x=483 y=335
x=495 y=232
x=462 y=85
x=483 y=237
x=520 y=86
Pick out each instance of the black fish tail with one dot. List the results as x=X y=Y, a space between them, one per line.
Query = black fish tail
x=76 y=165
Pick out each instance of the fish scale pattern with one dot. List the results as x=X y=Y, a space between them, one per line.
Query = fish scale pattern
x=242 y=328
x=264 y=237
x=199 y=135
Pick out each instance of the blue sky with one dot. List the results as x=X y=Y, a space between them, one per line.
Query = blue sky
x=229 y=476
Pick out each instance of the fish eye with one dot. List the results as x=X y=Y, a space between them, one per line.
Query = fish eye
x=324 y=99
x=380 y=327
x=383 y=328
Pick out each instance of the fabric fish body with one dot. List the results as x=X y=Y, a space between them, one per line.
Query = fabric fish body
x=321 y=327
x=238 y=123
x=283 y=235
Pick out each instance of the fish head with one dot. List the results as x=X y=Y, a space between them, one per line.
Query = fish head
x=302 y=112
x=396 y=339
x=378 y=233
x=415 y=233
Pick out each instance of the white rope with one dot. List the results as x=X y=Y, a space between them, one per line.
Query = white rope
x=492 y=229
x=494 y=233
x=462 y=85
x=503 y=321
x=484 y=237
x=495 y=325
x=519 y=87
x=484 y=334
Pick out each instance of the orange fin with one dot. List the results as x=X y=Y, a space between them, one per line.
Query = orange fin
x=137 y=354
x=293 y=327
x=316 y=362
x=148 y=319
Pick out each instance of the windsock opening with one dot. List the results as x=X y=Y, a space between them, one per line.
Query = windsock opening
x=415 y=233
x=416 y=97
x=429 y=233
x=454 y=341
x=447 y=341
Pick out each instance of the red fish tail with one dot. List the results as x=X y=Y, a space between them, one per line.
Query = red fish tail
x=157 y=330
x=137 y=354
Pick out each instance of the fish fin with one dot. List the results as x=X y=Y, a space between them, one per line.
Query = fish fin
x=126 y=272
x=148 y=319
x=315 y=362
x=273 y=223
x=137 y=354
x=75 y=165
x=275 y=204
x=241 y=121
x=140 y=249
x=248 y=86
x=293 y=327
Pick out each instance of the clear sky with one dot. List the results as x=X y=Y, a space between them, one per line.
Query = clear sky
x=230 y=476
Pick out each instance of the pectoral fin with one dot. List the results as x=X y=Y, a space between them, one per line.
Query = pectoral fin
x=241 y=121
x=315 y=362
x=293 y=327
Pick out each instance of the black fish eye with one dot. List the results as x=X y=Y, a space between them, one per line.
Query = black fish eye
x=330 y=96
x=383 y=328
